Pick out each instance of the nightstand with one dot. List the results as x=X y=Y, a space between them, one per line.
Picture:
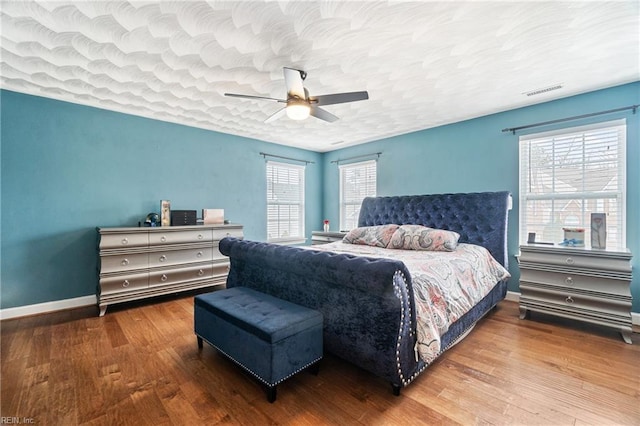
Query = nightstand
x=321 y=237
x=579 y=283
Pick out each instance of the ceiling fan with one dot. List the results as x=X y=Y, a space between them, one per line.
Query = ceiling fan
x=299 y=104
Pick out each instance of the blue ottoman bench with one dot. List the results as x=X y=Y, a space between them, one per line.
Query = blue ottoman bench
x=271 y=338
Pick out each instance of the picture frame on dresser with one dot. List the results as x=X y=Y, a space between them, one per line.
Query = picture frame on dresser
x=579 y=283
x=137 y=263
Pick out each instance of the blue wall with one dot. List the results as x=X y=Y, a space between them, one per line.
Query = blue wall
x=475 y=155
x=68 y=168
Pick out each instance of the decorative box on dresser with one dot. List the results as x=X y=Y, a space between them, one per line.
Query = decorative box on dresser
x=590 y=285
x=136 y=263
x=322 y=237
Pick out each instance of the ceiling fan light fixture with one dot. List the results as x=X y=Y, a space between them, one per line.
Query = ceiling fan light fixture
x=298 y=110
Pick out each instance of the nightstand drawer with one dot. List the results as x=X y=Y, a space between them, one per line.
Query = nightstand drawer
x=576 y=260
x=321 y=237
x=571 y=281
x=180 y=237
x=176 y=257
x=570 y=301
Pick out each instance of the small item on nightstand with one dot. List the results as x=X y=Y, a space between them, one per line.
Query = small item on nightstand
x=573 y=237
x=325 y=225
x=598 y=230
x=531 y=239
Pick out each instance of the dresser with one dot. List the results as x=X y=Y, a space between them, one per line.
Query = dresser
x=136 y=263
x=321 y=237
x=579 y=283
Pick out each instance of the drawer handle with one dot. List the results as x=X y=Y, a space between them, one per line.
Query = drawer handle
x=163 y=278
x=199 y=254
x=163 y=239
x=569 y=281
x=163 y=258
x=200 y=272
x=569 y=299
x=200 y=236
x=125 y=241
x=126 y=283
x=124 y=262
x=570 y=261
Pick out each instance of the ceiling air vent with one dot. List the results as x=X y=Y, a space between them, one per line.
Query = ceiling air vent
x=543 y=90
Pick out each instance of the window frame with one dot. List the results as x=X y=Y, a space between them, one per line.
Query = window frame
x=300 y=202
x=343 y=168
x=582 y=197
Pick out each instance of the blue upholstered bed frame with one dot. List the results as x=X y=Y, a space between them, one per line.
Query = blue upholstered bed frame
x=367 y=304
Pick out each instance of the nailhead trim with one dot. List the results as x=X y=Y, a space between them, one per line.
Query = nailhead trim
x=403 y=320
x=256 y=375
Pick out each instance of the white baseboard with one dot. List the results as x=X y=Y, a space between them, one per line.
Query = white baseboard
x=514 y=296
x=46 y=307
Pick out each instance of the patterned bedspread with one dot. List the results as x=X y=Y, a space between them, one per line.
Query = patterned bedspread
x=446 y=285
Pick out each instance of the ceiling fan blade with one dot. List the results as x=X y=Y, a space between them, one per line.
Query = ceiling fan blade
x=339 y=98
x=275 y=115
x=322 y=114
x=293 y=80
x=235 y=95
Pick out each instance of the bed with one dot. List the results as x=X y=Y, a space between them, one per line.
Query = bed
x=372 y=298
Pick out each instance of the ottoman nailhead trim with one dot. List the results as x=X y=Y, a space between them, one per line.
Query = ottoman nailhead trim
x=254 y=374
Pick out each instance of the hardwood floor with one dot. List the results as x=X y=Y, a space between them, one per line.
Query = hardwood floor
x=140 y=365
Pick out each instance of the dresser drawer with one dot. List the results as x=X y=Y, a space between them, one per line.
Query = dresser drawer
x=577 y=282
x=221 y=269
x=123 y=241
x=123 y=262
x=219 y=234
x=119 y=284
x=576 y=260
x=176 y=257
x=179 y=237
x=169 y=277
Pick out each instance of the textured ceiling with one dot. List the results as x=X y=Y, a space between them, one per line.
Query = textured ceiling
x=424 y=64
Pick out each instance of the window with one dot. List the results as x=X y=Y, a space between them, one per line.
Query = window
x=357 y=181
x=567 y=175
x=285 y=202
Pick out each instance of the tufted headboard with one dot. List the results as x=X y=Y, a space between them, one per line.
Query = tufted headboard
x=480 y=218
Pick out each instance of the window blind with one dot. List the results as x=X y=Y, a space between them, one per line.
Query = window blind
x=357 y=181
x=285 y=202
x=567 y=175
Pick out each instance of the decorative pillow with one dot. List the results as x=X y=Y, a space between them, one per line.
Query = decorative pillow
x=377 y=236
x=417 y=237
